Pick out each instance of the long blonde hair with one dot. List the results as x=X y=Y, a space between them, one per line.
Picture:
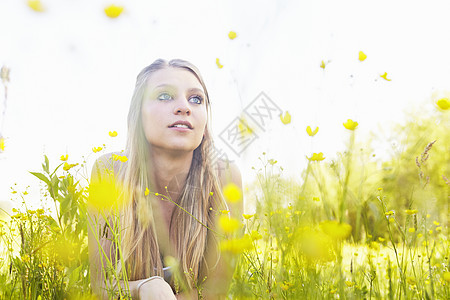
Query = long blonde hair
x=201 y=192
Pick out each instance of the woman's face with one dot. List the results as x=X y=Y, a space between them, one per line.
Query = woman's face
x=172 y=95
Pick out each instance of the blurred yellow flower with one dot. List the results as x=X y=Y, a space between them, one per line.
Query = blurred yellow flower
x=232 y=192
x=412 y=230
x=411 y=211
x=436 y=223
x=316 y=157
x=389 y=213
x=317 y=199
x=384 y=76
x=411 y=281
x=106 y=193
x=25 y=258
x=68 y=166
x=113 y=11
x=350 y=124
x=391 y=220
x=349 y=283
x=322 y=64
x=232 y=35
x=336 y=230
x=381 y=239
x=310 y=132
x=122 y=158
x=255 y=235
x=362 y=56
x=446 y=276
x=443 y=103
x=113 y=133
x=146 y=192
x=35 y=5
x=236 y=246
x=286 y=119
x=97 y=149
x=2 y=143
x=228 y=224
x=218 y=64
x=64 y=157
x=247 y=216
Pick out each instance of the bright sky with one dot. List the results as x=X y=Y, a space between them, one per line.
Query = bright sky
x=73 y=71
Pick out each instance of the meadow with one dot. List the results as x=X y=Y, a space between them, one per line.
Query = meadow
x=352 y=227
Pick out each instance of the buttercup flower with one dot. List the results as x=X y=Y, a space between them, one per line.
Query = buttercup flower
x=146 y=192
x=443 y=103
x=228 y=225
x=322 y=64
x=247 y=216
x=411 y=211
x=310 y=132
x=384 y=76
x=316 y=157
x=97 y=149
x=2 y=143
x=362 y=56
x=232 y=35
x=113 y=133
x=35 y=5
x=113 y=11
x=286 y=119
x=232 y=192
x=218 y=64
x=64 y=157
x=68 y=166
x=350 y=124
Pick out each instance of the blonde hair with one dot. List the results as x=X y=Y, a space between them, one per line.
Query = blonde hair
x=139 y=240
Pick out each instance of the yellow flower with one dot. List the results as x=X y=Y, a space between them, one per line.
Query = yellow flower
x=228 y=224
x=2 y=143
x=67 y=166
x=322 y=64
x=146 y=192
x=113 y=133
x=389 y=213
x=439 y=229
x=428 y=215
x=123 y=158
x=350 y=124
x=247 y=216
x=64 y=157
x=336 y=230
x=35 y=5
x=411 y=280
x=236 y=246
x=412 y=230
x=232 y=192
x=286 y=119
x=232 y=35
x=105 y=194
x=218 y=64
x=381 y=239
x=97 y=149
x=255 y=235
x=224 y=212
x=113 y=11
x=384 y=76
x=310 y=132
x=349 y=283
x=316 y=157
x=25 y=258
x=446 y=276
x=443 y=103
x=317 y=199
x=362 y=56
x=436 y=223
x=411 y=211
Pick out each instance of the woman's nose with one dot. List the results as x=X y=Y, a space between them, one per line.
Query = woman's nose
x=182 y=107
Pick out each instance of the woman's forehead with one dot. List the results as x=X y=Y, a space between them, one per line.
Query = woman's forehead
x=174 y=78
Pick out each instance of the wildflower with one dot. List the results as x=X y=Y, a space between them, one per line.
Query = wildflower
x=316 y=157
x=25 y=258
x=419 y=235
x=317 y=199
x=247 y=216
x=412 y=230
x=105 y=193
x=286 y=119
x=381 y=239
x=272 y=161
x=232 y=192
x=384 y=76
x=389 y=213
x=322 y=64
x=430 y=231
x=446 y=276
x=349 y=283
x=439 y=229
x=35 y=5
x=224 y=212
x=333 y=291
x=218 y=64
x=336 y=230
x=428 y=216
x=97 y=149
x=2 y=143
x=228 y=224
x=64 y=157
x=255 y=235
x=113 y=133
x=411 y=281
x=362 y=56
x=236 y=246
x=310 y=132
x=443 y=103
x=122 y=158
x=113 y=11
x=146 y=192
x=67 y=166
x=436 y=223
x=211 y=193
x=285 y=285
x=411 y=211
x=350 y=124
x=232 y=35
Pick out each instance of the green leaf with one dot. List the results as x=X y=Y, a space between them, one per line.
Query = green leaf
x=42 y=177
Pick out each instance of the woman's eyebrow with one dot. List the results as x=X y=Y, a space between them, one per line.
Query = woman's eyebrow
x=173 y=87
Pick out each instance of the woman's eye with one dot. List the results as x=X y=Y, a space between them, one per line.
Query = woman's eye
x=198 y=98
x=164 y=96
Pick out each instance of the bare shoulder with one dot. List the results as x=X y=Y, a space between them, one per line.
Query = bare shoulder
x=106 y=165
x=229 y=173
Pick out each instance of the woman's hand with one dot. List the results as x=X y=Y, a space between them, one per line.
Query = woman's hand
x=156 y=289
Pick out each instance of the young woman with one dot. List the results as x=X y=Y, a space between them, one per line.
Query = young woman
x=172 y=191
